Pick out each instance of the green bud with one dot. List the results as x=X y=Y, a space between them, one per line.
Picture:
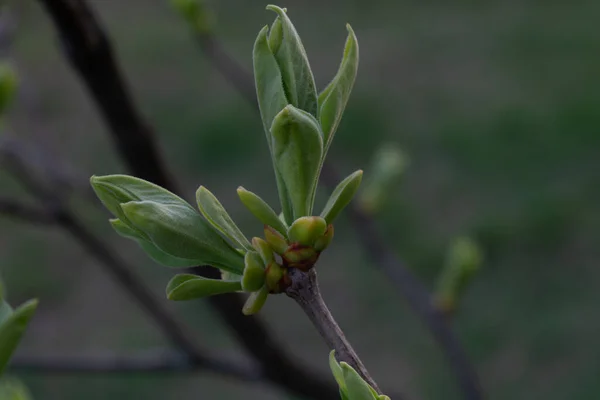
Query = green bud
x=301 y=257
x=254 y=272
x=275 y=240
x=189 y=287
x=261 y=210
x=298 y=79
x=463 y=261
x=324 y=241
x=306 y=230
x=218 y=217
x=341 y=196
x=263 y=248
x=297 y=151
x=256 y=301
x=8 y=86
x=333 y=99
x=12 y=329
x=275 y=275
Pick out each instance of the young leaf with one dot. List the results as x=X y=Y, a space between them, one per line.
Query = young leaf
x=255 y=301
x=338 y=374
x=261 y=210
x=297 y=150
x=298 y=79
x=356 y=387
x=254 y=272
x=5 y=311
x=333 y=99
x=271 y=100
x=154 y=252
x=189 y=287
x=264 y=250
x=215 y=213
x=341 y=196
x=306 y=230
x=181 y=232
x=12 y=329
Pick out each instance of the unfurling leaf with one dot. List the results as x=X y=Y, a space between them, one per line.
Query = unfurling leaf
x=188 y=287
x=254 y=272
x=218 y=217
x=333 y=99
x=297 y=150
x=12 y=329
x=341 y=196
x=181 y=232
x=276 y=240
x=264 y=249
x=271 y=100
x=356 y=387
x=298 y=79
x=255 y=301
x=150 y=248
x=261 y=210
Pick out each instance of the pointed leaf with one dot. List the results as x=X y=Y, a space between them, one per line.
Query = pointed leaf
x=255 y=301
x=341 y=196
x=297 y=150
x=12 y=329
x=271 y=100
x=218 y=217
x=5 y=311
x=261 y=210
x=298 y=79
x=254 y=272
x=333 y=99
x=189 y=287
x=181 y=232
x=356 y=387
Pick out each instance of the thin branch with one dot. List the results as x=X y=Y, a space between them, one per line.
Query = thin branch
x=13 y=209
x=88 y=49
x=416 y=294
x=164 y=362
x=305 y=291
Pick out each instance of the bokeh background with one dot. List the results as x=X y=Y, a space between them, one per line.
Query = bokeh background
x=495 y=102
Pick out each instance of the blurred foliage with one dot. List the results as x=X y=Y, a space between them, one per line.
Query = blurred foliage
x=496 y=103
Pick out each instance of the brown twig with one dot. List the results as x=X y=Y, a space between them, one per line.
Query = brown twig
x=88 y=49
x=305 y=291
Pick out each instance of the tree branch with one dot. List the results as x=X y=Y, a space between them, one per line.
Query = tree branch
x=13 y=209
x=88 y=49
x=305 y=291
x=163 y=362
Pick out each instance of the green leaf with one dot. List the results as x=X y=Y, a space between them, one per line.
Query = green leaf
x=180 y=231
x=298 y=79
x=1 y=290
x=12 y=329
x=189 y=287
x=341 y=196
x=154 y=252
x=8 y=86
x=255 y=301
x=333 y=99
x=11 y=389
x=297 y=150
x=218 y=217
x=338 y=374
x=254 y=272
x=5 y=311
x=356 y=387
x=261 y=210
x=271 y=100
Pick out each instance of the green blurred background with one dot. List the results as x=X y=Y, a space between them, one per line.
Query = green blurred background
x=497 y=105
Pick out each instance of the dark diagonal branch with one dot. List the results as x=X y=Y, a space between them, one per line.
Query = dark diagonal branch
x=88 y=49
x=416 y=294
x=13 y=209
x=163 y=362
